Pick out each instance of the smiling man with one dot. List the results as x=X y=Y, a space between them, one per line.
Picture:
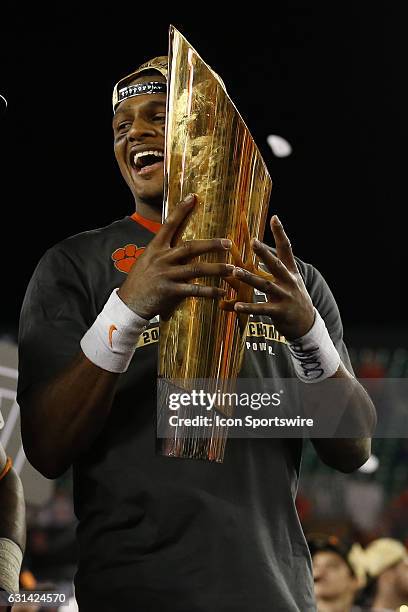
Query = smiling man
x=158 y=533
x=141 y=159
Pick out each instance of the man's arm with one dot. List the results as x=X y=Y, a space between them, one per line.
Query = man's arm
x=12 y=509
x=62 y=417
x=12 y=527
x=348 y=454
x=292 y=311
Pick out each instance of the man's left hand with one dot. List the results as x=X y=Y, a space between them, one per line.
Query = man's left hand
x=288 y=303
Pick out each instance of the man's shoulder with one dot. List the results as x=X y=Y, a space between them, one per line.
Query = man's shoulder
x=84 y=250
x=92 y=237
x=96 y=243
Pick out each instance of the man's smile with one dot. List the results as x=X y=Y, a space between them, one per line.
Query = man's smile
x=145 y=161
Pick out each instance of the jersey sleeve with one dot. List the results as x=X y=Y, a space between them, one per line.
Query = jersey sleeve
x=54 y=317
x=324 y=302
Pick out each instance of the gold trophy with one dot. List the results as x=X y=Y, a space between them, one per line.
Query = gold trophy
x=209 y=151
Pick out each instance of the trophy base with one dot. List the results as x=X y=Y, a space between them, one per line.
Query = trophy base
x=190 y=432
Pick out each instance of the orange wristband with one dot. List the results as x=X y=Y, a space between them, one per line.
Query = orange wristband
x=7 y=468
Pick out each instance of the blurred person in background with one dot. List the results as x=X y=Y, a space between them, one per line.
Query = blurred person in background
x=386 y=561
x=12 y=526
x=338 y=572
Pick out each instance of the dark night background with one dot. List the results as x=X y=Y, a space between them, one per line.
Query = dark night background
x=328 y=81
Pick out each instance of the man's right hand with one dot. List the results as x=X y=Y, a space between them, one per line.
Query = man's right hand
x=159 y=280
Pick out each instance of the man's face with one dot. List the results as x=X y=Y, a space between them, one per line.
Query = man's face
x=332 y=576
x=139 y=128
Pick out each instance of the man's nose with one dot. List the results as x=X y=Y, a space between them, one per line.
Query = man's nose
x=140 y=129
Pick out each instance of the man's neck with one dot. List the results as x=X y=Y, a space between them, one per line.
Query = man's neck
x=149 y=212
x=342 y=604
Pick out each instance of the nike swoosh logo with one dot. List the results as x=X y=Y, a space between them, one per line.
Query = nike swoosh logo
x=111 y=330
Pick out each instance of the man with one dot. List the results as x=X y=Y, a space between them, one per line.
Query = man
x=387 y=566
x=157 y=533
x=12 y=526
x=338 y=572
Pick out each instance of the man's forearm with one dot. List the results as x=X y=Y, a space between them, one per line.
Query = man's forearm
x=62 y=418
x=12 y=531
x=12 y=515
x=357 y=410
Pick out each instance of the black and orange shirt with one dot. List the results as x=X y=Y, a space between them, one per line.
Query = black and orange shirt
x=157 y=533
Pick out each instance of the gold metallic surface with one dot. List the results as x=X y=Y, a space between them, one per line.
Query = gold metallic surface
x=210 y=152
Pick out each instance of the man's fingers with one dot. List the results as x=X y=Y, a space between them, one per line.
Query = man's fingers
x=193 y=248
x=258 y=282
x=199 y=270
x=195 y=290
x=283 y=246
x=275 y=265
x=174 y=220
x=260 y=308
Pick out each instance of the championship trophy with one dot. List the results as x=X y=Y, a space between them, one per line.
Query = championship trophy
x=209 y=151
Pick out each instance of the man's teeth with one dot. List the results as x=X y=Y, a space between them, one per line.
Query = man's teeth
x=144 y=153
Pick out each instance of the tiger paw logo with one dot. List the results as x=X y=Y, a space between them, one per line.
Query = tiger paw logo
x=125 y=257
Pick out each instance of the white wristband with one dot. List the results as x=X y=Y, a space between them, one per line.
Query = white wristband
x=111 y=341
x=10 y=565
x=314 y=355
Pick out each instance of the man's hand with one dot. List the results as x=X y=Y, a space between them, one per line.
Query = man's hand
x=288 y=302
x=291 y=309
x=159 y=279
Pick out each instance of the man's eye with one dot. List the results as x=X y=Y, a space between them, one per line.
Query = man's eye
x=160 y=117
x=124 y=126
